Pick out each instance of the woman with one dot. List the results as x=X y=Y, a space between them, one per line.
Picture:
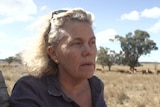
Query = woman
x=62 y=63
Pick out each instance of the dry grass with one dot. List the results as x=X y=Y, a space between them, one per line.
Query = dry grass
x=121 y=89
x=11 y=74
x=131 y=90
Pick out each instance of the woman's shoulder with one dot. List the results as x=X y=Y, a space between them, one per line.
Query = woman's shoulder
x=95 y=79
x=27 y=78
x=96 y=82
x=28 y=84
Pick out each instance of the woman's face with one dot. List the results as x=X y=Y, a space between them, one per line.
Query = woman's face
x=77 y=52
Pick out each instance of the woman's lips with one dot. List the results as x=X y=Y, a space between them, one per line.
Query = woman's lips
x=87 y=64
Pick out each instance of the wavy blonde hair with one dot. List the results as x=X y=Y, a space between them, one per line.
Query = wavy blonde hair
x=36 y=59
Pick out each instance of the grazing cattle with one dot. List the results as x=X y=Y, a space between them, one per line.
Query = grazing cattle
x=144 y=72
x=150 y=72
x=16 y=66
x=158 y=72
x=132 y=70
x=147 y=71
x=121 y=71
x=128 y=72
x=99 y=69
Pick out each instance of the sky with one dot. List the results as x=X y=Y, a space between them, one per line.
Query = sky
x=19 y=20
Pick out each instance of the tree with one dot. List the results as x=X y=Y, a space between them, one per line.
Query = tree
x=106 y=57
x=18 y=57
x=134 y=46
x=9 y=60
x=119 y=58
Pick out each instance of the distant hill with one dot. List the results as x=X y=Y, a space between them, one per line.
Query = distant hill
x=150 y=62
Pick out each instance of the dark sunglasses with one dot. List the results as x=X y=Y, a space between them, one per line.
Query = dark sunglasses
x=55 y=12
x=58 y=11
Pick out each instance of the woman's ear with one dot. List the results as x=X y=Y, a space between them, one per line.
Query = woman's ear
x=52 y=53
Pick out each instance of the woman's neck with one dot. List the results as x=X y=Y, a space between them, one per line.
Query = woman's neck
x=72 y=86
x=79 y=92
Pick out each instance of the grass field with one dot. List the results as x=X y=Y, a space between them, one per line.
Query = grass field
x=121 y=89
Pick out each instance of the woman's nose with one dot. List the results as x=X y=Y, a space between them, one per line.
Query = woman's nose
x=87 y=50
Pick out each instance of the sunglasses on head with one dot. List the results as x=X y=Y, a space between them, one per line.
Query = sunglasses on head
x=58 y=11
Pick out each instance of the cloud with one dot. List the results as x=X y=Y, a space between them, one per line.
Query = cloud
x=146 y=13
x=4 y=53
x=154 y=28
x=3 y=38
x=104 y=36
x=134 y=15
x=13 y=41
x=14 y=46
x=151 y=13
x=43 y=8
x=41 y=22
x=16 y=10
x=2 y=35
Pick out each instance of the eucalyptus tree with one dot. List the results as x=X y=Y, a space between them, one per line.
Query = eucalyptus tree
x=106 y=57
x=9 y=60
x=134 y=46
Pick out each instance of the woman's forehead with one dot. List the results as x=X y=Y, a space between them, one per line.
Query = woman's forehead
x=78 y=28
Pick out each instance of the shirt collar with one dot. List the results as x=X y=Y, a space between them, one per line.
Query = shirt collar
x=55 y=89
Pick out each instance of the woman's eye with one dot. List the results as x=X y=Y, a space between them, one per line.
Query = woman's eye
x=78 y=43
x=93 y=42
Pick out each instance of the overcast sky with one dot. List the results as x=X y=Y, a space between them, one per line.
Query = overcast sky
x=19 y=21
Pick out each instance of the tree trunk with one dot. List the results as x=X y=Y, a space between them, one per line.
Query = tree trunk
x=109 y=68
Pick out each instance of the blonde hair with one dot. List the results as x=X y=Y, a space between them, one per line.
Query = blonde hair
x=36 y=58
